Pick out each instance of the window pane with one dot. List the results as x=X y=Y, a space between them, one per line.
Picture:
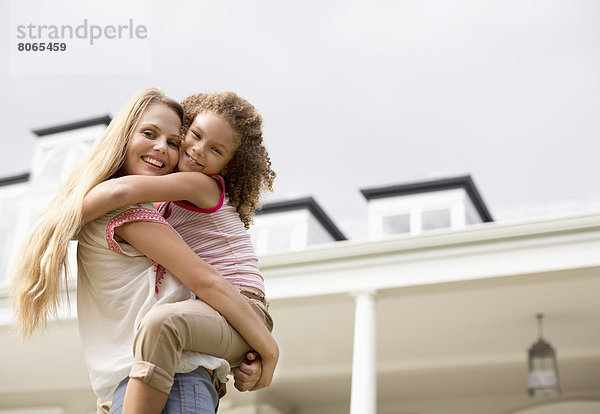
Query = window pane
x=396 y=224
x=436 y=219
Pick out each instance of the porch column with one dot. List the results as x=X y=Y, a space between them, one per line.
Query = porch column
x=363 y=398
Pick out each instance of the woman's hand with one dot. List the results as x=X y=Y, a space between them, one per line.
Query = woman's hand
x=269 y=362
x=247 y=374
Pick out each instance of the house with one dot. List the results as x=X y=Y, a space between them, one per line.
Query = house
x=434 y=313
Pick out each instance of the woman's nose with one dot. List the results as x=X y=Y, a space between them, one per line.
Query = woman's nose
x=160 y=145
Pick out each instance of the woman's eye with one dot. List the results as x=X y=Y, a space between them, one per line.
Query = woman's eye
x=149 y=134
x=174 y=143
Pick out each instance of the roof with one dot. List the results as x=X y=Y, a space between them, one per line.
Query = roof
x=305 y=203
x=101 y=120
x=14 y=179
x=465 y=182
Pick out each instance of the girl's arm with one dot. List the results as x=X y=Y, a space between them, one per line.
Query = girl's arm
x=163 y=245
x=200 y=189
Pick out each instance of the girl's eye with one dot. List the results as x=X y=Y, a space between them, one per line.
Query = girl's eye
x=218 y=151
x=196 y=135
x=148 y=133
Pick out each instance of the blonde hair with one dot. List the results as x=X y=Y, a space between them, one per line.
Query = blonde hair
x=43 y=257
x=249 y=172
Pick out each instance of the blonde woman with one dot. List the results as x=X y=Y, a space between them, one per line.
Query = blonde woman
x=117 y=252
x=223 y=168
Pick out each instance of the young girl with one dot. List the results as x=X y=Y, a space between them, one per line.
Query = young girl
x=224 y=136
x=116 y=279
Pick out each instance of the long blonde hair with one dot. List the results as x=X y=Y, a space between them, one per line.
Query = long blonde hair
x=43 y=257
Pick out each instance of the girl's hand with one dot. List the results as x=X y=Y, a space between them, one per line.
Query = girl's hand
x=101 y=199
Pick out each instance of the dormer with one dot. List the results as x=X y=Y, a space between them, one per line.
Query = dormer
x=24 y=196
x=450 y=203
x=292 y=225
x=59 y=148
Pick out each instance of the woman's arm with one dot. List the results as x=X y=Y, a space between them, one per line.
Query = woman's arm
x=163 y=245
x=200 y=189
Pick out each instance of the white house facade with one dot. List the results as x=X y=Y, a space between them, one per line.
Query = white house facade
x=433 y=313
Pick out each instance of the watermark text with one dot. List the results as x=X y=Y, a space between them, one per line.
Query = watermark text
x=90 y=32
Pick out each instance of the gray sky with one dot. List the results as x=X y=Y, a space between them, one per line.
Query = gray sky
x=360 y=94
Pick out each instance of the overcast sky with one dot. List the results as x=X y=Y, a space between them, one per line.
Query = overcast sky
x=357 y=94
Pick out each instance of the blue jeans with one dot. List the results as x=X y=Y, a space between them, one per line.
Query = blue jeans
x=192 y=393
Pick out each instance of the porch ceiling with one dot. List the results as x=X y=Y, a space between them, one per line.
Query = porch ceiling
x=460 y=340
x=453 y=340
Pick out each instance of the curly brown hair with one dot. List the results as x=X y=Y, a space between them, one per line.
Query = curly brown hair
x=249 y=171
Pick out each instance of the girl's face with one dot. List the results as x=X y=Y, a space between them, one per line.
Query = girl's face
x=153 y=148
x=209 y=144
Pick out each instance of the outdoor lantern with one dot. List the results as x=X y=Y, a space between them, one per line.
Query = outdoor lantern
x=543 y=371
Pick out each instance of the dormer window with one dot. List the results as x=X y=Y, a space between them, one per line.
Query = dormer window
x=292 y=225
x=395 y=224
x=436 y=219
x=60 y=148
x=23 y=197
x=423 y=206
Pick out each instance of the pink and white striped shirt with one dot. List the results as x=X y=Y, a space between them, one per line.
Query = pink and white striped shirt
x=217 y=236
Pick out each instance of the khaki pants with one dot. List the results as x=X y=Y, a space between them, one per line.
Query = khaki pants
x=168 y=329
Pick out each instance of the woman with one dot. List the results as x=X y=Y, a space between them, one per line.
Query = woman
x=110 y=302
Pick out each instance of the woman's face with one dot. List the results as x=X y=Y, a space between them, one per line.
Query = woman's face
x=153 y=148
x=209 y=144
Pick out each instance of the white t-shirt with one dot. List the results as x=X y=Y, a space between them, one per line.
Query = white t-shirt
x=116 y=286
